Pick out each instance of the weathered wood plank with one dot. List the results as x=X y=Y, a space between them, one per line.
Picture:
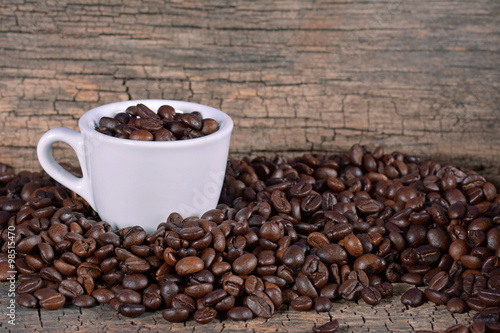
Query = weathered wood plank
x=418 y=76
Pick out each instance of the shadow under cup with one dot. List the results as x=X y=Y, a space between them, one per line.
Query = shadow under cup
x=132 y=182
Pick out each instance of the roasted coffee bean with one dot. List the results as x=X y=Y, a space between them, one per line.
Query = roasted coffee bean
x=183 y=301
x=328 y=327
x=131 y=310
x=135 y=281
x=489 y=297
x=440 y=281
x=175 y=315
x=29 y=286
x=27 y=301
x=245 y=264
x=260 y=307
x=437 y=297
x=240 y=313
x=322 y=304
x=413 y=297
x=205 y=315
x=84 y=301
x=371 y=295
x=353 y=245
x=189 y=265
x=475 y=304
x=70 y=288
x=332 y=253
x=49 y=299
x=305 y=287
x=141 y=135
x=294 y=256
x=103 y=296
x=214 y=297
x=301 y=303
x=317 y=240
x=350 y=290
x=456 y=305
x=457 y=329
x=128 y=296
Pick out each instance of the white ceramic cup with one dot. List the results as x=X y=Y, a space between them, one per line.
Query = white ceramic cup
x=130 y=182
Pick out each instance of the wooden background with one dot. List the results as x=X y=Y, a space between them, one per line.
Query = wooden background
x=417 y=76
x=296 y=76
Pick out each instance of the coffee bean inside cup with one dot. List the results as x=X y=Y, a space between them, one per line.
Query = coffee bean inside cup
x=139 y=122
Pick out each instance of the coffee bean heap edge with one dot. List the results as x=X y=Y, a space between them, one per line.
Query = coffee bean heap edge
x=139 y=122
x=301 y=233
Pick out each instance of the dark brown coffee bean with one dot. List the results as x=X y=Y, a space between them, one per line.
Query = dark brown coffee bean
x=322 y=304
x=332 y=253
x=305 y=286
x=177 y=315
x=440 y=281
x=184 y=301
x=245 y=264
x=413 y=297
x=302 y=303
x=330 y=291
x=456 y=305
x=294 y=256
x=128 y=296
x=103 y=296
x=489 y=297
x=84 y=248
x=412 y=278
x=205 y=315
x=457 y=329
x=437 y=297
x=328 y=327
x=199 y=290
x=27 y=301
x=317 y=240
x=371 y=295
x=475 y=304
x=141 y=135
x=131 y=310
x=350 y=290
x=49 y=299
x=353 y=245
x=240 y=313
x=370 y=263
x=135 y=281
x=191 y=120
x=148 y=124
x=84 y=301
x=166 y=112
x=189 y=265
x=29 y=286
x=259 y=306
x=144 y=112
x=70 y=288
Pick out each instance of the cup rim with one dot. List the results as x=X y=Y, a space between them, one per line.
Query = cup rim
x=92 y=115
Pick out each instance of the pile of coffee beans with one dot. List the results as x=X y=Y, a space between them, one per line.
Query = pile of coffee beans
x=139 y=122
x=298 y=233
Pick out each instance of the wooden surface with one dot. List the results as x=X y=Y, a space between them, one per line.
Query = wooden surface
x=417 y=76
x=296 y=76
x=389 y=316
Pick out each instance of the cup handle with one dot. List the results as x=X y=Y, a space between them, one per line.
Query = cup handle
x=56 y=171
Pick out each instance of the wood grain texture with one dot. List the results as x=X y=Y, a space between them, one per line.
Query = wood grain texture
x=354 y=317
x=296 y=76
